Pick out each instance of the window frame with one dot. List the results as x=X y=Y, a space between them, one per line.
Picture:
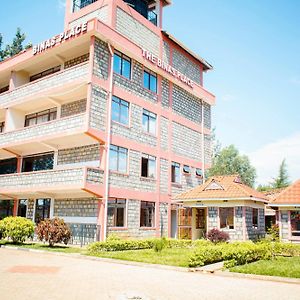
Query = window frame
x=22 y=203
x=33 y=158
x=174 y=167
x=115 y=206
x=255 y=217
x=117 y=150
x=149 y=116
x=46 y=208
x=186 y=170
x=51 y=114
x=11 y=163
x=149 y=158
x=147 y=83
x=148 y=205
x=227 y=227
x=295 y=234
x=122 y=58
x=44 y=73
x=121 y=103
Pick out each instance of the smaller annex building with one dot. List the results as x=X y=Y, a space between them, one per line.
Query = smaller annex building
x=225 y=203
x=287 y=204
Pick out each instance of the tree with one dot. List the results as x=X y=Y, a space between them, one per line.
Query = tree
x=15 y=47
x=230 y=162
x=282 y=180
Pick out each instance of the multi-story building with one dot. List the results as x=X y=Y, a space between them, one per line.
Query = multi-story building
x=102 y=124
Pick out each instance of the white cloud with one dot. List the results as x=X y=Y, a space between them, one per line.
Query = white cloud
x=267 y=159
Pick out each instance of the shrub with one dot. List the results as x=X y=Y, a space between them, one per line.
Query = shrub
x=53 y=231
x=205 y=255
x=16 y=228
x=216 y=236
x=273 y=233
x=160 y=244
x=201 y=243
x=174 y=243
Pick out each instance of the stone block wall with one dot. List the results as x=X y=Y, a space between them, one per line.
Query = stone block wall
x=284 y=228
x=164 y=176
x=163 y=221
x=101 y=59
x=137 y=32
x=164 y=133
x=237 y=234
x=213 y=218
x=30 y=209
x=165 y=93
x=73 y=108
x=79 y=154
x=166 y=52
x=251 y=232
x=76 y=61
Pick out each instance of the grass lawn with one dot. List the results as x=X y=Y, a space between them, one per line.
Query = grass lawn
x=173 y=257
x=39 y=246
x=281 y=266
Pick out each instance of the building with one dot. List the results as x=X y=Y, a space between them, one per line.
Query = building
x=103 y=123
x=225 y=203
x=287 y=206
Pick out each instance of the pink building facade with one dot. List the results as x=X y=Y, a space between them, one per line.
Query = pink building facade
x=104 y=123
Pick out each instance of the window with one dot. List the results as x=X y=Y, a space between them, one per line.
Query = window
x=6 y=208
x=116 y=213
x=2 y=125
x=186 y=169
x=120 y=110
x=44 y=73
x=79 y=4
x=199 y=172
x=175 y=172
x=227 y=218
x=150 y=81
x=255 y=217
x=41 y=117
x=38 y=162
x=4 y=89
x=147 y=214
x=8 y=166
x=295 y=223
x=22 y=208
x=42 y=210
x=122 y=64
x=118 y=159
x=149 y=122
x=148 y=166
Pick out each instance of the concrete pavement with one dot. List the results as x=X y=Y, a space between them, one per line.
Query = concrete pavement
x=32 y=275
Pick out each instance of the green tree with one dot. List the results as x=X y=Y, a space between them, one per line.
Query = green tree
x=230 y=162
x=282 y=180
x=15 y=47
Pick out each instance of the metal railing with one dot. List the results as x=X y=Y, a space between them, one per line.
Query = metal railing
x=79 y=4
x=84 y=234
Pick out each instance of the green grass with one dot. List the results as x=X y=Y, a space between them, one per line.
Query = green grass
x=45 y=247
x=173 y=257
x=281 y=266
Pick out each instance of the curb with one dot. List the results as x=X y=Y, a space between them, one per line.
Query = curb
x=163 y=267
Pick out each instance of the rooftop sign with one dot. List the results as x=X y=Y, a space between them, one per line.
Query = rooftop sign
x=64 y=36
x=167 y=68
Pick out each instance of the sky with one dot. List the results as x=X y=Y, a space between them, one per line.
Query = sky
x=254 y=46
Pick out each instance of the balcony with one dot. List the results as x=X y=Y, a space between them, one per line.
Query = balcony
x=57 y=134
x=56 y=83
x=79 y=4
x=66 y=183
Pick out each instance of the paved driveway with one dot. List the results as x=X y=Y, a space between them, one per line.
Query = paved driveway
x=27 y=275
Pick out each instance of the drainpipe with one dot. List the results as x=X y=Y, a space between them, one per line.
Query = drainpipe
x=108 y=138
x=202 y=141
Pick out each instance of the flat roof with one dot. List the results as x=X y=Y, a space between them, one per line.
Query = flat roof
x=207 y=65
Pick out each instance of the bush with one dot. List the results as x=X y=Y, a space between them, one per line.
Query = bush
x=16 y=228
x=273 y=233
x=205 y=255
x=159 y=244
x=53 y=231
x=217 y=236
x=174 y=243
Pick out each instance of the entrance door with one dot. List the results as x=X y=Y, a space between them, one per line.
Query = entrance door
x=174 y=224
x=199 y=223
x=185 y=223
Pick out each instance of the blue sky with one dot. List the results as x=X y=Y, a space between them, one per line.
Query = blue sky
x=254 y=46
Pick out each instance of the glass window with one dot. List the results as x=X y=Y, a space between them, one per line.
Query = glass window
x=2 y=125
x=122 y=64
x=148 y=166
x=295 y=223
x=41 y=117
x=42 y=210
x=44 y=73
x=22 y=208
x=186 y=169
x=175 y=172
x=149 y=122
x=120 y=110
x=199 y=172
x=116 y=213
x=38 y=162
x=226 y=217
x=150 y=81
x=118 y=159
x=147 y=214
x=6 y=208
x=255 y=217
x=8 y=166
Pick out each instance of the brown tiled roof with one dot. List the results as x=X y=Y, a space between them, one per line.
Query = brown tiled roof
x=272 y=194
x=290 y=195
x=222 y=187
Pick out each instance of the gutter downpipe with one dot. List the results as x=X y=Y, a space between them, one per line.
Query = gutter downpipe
x=108 y=139
x=202 y=141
